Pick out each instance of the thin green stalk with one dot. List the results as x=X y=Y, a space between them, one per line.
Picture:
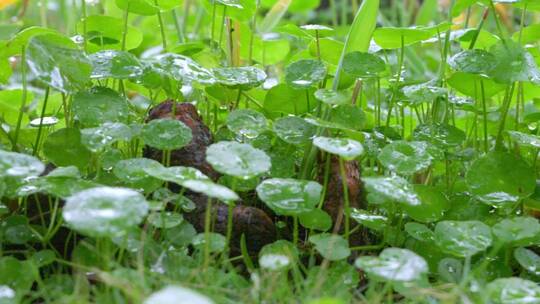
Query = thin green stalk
x=506 y=106
x=125 y=30
x=161 y=29
x=398 y=80
x=40 y=128
x=179 y=32
x=212 y=27
x=84 y=24
x=497 y=21
x=333 y=8
x=346 y=202
x=484 y=108
x=23 y=101
x=522 y=23
x=222 y=25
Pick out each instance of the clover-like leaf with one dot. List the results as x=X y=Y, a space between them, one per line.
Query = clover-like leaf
x=363 y=65
x=236 y=159
x=405 y=157
x=394 y=264
x=294 y=130
x=343 y=147
x=289 y=196
x=244 y=78
x=512 y=290
x=463 y=238
x=105 y=211
x=166 y=134
x=500 y=178
x=305 y=73
x=246 y=122
x=332 y=247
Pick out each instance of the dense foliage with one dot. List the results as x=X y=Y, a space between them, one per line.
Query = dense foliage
x=269 y=151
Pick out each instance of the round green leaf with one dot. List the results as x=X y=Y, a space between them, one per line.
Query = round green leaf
x=462 y=238
x=165 y=220
x=56 y=61
x=305 y=73
x=105 y=211
x=332 y=97
x=419 y=232
x=344 y=147
x=316 y=219
x=294 y=130
x=139 y=7
x=133 y=172
x=394 y=264
x=236 y=159
x=166 y=134
x=500 y=178
x=365 y=218
x=363 y=65
x=391 y=189
x=405 y=157
x=514 y=63
x=246 y=122
x=99 y=105
x=332 y=247
x=475 y=61
x=441 y=135
x=184 y=69
x=289 y=196
x=216 y=241
x=95 y=139
x=64 y=148
x=524 y=139
x=528 y=259
x=19 y=165
x=517 y=231
x=177 y=294
x=115 y=64
x=243 y=78
x=106 y=33
x=433 y=204
x=513 y=290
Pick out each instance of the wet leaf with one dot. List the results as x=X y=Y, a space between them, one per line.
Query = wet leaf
x=405 y=157
x=239 y=160
x=294 y=130
x=246 y=122
x=394 y=264
x=528 y=259
x=332 y=97
x=99 y=105
x=500 y=178
x=184 y=69
x=56 y=61
x=513 y=290
x=316 y=219
x=115 y=64
x=177 y=294
x=166 y=134
x=346 y=148
x=289 y=196
x=363 y=65
x=473 y=61
x=133 y=172
x=243 y=78
x=305 y=73
x=370 y=220
x=96 y=139
x=391 y=189
x=105 y=211
x=522 y=231
x=64 y=148
x=463 y=238
x=332 y=247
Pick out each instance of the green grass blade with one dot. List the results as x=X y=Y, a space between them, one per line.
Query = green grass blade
x=360 y=33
